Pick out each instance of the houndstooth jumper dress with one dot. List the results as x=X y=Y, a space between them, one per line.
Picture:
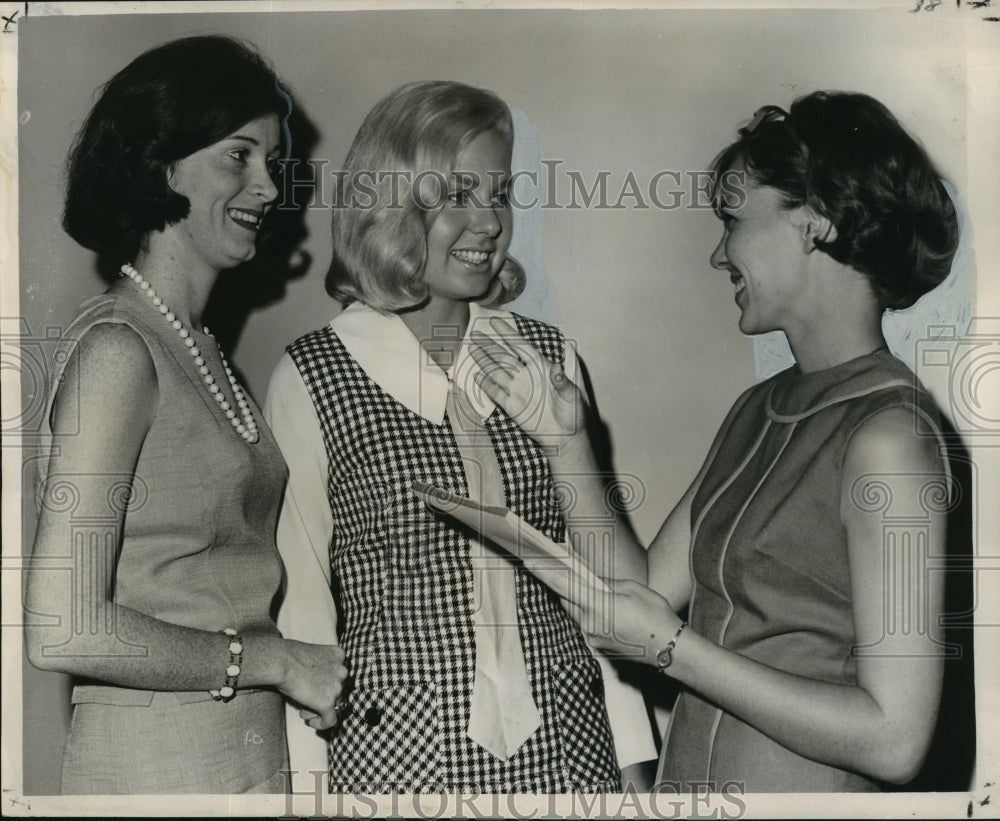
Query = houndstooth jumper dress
x=404 y=585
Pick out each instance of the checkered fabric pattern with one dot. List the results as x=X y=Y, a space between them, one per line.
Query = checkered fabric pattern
x=403 y=578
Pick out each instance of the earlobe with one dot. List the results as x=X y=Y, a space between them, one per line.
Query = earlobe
x=813 y=227
x=826 y=231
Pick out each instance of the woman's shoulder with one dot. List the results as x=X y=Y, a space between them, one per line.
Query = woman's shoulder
x=536 y=326
x=896 y=441
x=905 y=415
x=99 y=308
x=897 y=426
x=114 y=307
x=903 y=396
x=110 y=326
x=111 y=329
x=356 y=320
x=96 y=358
x=319 y=343
x=113 y=355
x=547 y=338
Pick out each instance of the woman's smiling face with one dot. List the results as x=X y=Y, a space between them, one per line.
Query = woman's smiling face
x=470 y=235
x=762 y=248
x=230 y=187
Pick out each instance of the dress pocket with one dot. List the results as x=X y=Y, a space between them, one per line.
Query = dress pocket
x=114 y=696
x=388 y=741
x=588 y=748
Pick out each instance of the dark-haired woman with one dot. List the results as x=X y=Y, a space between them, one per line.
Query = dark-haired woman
x=163 y=482
x=808 y=661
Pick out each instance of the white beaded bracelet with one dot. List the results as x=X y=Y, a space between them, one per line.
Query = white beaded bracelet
x=228 y=690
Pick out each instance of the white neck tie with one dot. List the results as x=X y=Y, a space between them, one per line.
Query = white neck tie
x=503 y=714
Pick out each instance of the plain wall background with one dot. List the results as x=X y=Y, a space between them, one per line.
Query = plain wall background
x=639 y=91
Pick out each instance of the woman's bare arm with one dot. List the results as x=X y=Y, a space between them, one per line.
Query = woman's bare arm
x=881 y=726
x=100 y=435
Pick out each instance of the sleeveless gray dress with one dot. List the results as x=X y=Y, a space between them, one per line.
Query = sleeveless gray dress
x=197 y=550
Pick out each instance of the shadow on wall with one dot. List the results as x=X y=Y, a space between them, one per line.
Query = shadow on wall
x=951 y=759
x=660 y=691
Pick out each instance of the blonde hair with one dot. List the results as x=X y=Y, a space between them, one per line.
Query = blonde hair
x=381 y=216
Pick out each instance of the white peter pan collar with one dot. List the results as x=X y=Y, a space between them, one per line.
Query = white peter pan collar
x=390 y=354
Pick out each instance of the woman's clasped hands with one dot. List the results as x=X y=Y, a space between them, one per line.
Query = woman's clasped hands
x=313 y=677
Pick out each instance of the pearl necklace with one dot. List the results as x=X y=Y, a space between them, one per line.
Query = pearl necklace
x=247 y=428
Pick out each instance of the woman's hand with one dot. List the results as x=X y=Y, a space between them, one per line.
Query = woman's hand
x=314 y=680
x=533 y=391
x=627 y=620
x=639 y=624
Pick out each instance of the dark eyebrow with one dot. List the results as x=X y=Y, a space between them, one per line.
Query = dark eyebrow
x=253 y=141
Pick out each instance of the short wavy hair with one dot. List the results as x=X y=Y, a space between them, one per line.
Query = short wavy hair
x=389 y=187
x=168 y=103
x=846 y=156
